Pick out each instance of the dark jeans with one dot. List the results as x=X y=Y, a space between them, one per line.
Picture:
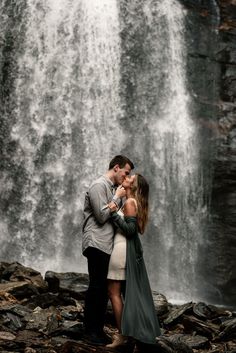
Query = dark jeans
x=96 y=297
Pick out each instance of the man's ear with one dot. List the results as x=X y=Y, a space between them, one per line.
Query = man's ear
x=116 y=168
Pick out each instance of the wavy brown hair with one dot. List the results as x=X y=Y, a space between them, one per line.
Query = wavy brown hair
x=140 y=189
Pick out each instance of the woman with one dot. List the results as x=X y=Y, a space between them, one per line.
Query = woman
x=135 y=317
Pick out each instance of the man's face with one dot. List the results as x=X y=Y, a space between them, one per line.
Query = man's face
x=121 y=173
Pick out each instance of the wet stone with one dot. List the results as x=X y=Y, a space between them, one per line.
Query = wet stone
x=195 y=342
x=6 y=336
x=204 y=311
x=193 y=324
x=74 y=283
x=17 y=309
x=13 y=321
x=229 y=329
x=161 y=303
x=177 y=313
x=58 y=328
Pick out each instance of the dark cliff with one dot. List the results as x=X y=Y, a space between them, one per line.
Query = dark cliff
x=224 y=181
x=211 y=31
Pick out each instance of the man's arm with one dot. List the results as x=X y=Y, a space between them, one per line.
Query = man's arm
x=98 y=200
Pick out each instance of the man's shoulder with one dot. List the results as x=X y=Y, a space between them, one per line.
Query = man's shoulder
x=101 y=180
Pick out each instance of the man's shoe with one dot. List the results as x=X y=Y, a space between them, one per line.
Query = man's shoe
x=105 y=337
x=96 y=339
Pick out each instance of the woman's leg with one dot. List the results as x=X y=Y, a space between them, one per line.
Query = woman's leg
x=114 y=293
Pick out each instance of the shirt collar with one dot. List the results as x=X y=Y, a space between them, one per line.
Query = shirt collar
x=109 y=182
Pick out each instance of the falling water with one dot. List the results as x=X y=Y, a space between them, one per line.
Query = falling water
x=178 y=203
x=66 y=124
x=89 y=79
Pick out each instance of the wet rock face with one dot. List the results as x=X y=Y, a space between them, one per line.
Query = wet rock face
x=212 y=82
x=224 y=181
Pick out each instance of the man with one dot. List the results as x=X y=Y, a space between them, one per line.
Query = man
x=97 y=243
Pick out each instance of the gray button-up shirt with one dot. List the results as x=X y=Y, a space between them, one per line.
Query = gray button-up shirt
x=98 y=230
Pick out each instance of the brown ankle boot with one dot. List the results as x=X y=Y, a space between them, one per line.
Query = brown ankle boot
x=118 y=340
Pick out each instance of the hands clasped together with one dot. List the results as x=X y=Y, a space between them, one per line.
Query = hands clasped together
x=119 y=194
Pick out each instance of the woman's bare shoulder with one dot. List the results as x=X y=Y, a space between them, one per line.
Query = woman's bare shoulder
x=130 y=207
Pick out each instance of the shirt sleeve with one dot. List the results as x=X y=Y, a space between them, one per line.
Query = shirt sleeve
x=128 y=225
x=98 y=199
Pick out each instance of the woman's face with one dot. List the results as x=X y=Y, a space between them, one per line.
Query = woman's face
x=128 y=182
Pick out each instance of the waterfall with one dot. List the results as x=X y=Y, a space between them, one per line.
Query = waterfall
x=175 y=150
x=83 y=81
x=66 y=124
x=167 y=142
x=174 y=147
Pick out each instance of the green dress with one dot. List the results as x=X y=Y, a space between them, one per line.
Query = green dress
x=139 y=318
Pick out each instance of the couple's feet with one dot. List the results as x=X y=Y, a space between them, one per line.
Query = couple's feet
x=118 y=340
x=101 y=339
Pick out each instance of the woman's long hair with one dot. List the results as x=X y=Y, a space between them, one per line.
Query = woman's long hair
x=141 y=192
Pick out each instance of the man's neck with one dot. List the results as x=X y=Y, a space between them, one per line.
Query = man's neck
x=109 y=175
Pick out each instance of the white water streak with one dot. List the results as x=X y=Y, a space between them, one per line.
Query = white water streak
x=175 y=152
x=68 y=95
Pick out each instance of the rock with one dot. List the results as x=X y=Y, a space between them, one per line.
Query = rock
x=19 y=290
x=29 y=350
x=161 y=303
x=38 y=320
x=13 y=322
x=165 y=345
x=203 y=311
x=71 y=282
x=71 y=312
x=12 y=317
x=11 y=345
x=15 y=272
x=7 y=336
x=67 y=328
x=195 y=342
x=17 y=309
x=53 y=281
x=6 y=298
x=56 y=324
x=193 y=324
x=28 y=339
x=229 y=329
x=223 y=195
x=45 y=300
x=81 y=347
x=177 y=313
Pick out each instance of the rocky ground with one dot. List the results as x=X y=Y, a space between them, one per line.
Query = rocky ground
x=46 y=316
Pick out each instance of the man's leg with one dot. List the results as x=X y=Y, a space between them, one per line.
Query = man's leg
x=96 y=296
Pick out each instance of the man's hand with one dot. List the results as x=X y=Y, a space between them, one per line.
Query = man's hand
x=120 y=192
x=112 y=206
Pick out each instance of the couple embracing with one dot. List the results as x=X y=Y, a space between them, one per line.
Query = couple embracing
x=115 y=212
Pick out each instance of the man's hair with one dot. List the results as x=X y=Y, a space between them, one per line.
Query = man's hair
x=121 y=161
